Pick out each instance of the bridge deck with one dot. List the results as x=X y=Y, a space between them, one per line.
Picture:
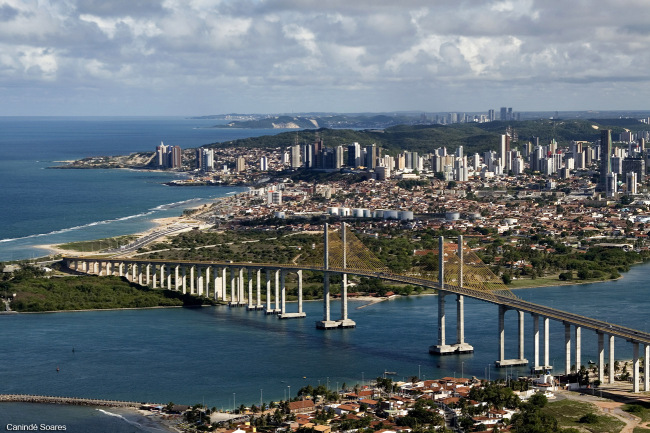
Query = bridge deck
x=511 y=302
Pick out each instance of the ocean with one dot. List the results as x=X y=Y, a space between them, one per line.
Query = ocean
x=43 y=206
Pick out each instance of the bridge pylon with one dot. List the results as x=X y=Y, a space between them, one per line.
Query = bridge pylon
x=447 y=273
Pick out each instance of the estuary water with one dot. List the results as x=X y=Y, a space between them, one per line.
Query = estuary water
x=224 y=357
x=43 y=206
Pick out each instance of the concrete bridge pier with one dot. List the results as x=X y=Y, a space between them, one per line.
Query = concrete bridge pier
x=284 y=314
x=601 y=357
x=241 y=293
x=268 y=309
x=206 y=281
x=192 y=280
x=233 y=301
x=250 y=290
x=503 y=362
x=442 y=348
x=154 y=277
x=148 y=274
x=162 y=276
x=224 y=284
x=567 y=348
x=635 y=366
x=199 y=281
x=344 y=321
x=184 y=280
x=168 y=272
x=611 y=359
x=258 y=305
x=326 y=323
x=578 y=346
x=461 y=346
x=272 y=293
x=646 y=368
x=277 y=291
x=177 y=278
x=547 y=352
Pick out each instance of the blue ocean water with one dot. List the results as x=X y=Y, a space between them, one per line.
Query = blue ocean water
x=224 y=357
x=44 y=206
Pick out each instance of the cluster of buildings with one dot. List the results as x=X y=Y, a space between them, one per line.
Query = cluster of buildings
x=168 y=156
x=380 y=409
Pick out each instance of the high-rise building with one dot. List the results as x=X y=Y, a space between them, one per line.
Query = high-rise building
x=605 y=157
x=611 y=187
x=161 y=154
x=317 y=149
x=491 y=115
x=295 y=156
x=631 y=183
x=206 y=159
x=240 y=164
x=175 y=157
x=633 y=165
x=264 y=163
x=354 y=155
x=338 y=159
x=372 y=153
x=504 y=113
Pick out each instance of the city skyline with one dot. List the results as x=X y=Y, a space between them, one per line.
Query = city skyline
x=172 y=58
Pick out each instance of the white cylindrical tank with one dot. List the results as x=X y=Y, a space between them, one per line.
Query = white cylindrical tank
x=333 y=210
x=344 y=211
x=378 y=213
x=452 y=216
x=280 y=215
x=367 y=213
x=357 y=212
x=406 y=215
x=390 y=214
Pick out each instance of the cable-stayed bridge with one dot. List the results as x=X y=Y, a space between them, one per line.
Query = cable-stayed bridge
x=454 y=271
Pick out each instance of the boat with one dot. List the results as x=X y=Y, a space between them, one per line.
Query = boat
x=390 y=372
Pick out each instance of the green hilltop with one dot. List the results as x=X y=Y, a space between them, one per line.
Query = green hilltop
x=474 y=137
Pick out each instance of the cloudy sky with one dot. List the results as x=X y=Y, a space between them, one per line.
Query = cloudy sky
x=193 y=57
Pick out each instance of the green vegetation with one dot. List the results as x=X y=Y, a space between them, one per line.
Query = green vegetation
x=34 y=293
x=256 y=246
x=478 y=137
x=579 y=415
x=98 y=244
x=642 y=410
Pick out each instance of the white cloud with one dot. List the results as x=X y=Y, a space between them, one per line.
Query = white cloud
x=338 y=50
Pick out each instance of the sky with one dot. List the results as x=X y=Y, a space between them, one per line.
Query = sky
x=199 y=57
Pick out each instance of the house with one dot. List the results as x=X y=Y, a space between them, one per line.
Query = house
x=301 y=406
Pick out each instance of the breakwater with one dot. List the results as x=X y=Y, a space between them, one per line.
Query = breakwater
x=74 y=401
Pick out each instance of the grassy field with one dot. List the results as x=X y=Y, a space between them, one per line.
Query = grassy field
x=642 y=410
x=569 y=412
x=549 y=280
x=98 y=244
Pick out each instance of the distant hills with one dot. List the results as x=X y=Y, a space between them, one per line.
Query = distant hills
x=477 y=137
x=316 y=121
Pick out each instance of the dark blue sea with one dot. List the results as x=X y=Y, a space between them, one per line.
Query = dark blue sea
x=42 y=206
